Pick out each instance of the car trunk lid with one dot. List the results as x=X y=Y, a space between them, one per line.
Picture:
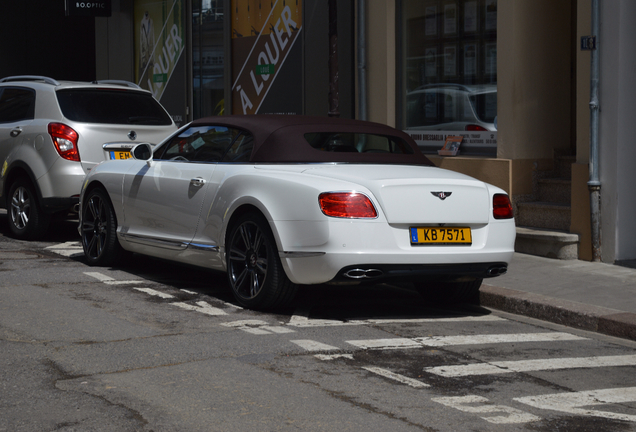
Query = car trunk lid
x=417 y=195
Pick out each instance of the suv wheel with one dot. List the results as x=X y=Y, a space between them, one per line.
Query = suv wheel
x=26 y=219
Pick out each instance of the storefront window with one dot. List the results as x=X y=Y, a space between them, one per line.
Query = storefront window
x=448 y=73
x=208 y=58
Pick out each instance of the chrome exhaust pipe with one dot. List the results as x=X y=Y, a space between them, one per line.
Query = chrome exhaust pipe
x=497 y=271
x=76 y=208
x=363 y=273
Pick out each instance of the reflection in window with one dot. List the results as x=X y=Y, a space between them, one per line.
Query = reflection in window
x=357 y=143
x=208 y=144
x=208 y=57
x=449 y=64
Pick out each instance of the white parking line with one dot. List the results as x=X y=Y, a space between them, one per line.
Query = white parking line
x=67 y=249
x=442 y=341
x=574 y=403
x=396 y=377
x=531 y=365
x=327 y=357
x=484 y=406
x=109 y=280
x=311 y=345
x=156 y=293
x=202 y=307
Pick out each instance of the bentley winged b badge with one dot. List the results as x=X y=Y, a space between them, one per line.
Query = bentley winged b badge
x=442 y=195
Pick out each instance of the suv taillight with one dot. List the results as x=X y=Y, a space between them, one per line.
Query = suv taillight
x=65 y=140
x=346 y=205
x=501 y=207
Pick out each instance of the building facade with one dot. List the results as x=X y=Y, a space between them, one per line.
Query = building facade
x=510 y=77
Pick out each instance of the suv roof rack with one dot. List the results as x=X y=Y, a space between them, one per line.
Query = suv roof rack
x=119 y=82
x=30 y=78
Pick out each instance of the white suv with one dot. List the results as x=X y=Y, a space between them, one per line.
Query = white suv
x=53 y=132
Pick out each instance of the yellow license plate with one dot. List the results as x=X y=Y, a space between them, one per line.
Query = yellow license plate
x=120 y=154
x=441 y=236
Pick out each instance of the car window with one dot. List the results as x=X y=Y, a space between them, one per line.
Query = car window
x=98 y=105
x=16 y=104
x=208 y=144
x=357 y=143
x=241 y=149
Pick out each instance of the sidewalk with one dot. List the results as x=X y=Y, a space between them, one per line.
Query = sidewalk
x=591 y=296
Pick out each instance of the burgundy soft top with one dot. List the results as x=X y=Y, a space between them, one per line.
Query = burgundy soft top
x=280 y=138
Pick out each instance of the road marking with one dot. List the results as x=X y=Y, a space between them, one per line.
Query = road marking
x=311 y=345
x=257 y=327
x=301 y=320
x=573 y=403
x=154 y=293
x=67 y=249
x=202 y=307
x=442 y=341
x=531 y=365
x=396 y=377
x=512 y=415
x=109 y=280
x=189 y=292
x=328 y=357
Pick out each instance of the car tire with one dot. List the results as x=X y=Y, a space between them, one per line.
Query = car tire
x=99 y=230
x=450 y=292
x=254 y=269
x=27 y=220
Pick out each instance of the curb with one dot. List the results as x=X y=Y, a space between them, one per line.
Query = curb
x=611 y=322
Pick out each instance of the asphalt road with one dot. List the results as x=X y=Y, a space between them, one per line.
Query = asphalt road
x=153 y=346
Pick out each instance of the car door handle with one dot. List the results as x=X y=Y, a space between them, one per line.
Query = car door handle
x=15 y=132
x=197 y=182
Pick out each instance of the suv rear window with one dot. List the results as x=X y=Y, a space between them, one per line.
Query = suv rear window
x=111 y=107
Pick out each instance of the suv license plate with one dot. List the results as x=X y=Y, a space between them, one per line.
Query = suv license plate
x=441 y=236
x=120 y=154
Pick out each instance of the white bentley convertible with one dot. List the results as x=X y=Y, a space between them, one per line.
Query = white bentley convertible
x=279 y=202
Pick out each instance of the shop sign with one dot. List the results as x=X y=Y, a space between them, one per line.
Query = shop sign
x=99 y=8
x=159 y=42
x=263 y=38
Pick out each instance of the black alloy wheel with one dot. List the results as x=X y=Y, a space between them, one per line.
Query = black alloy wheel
x=27 y=220
x=255 y=273
x=99 y=229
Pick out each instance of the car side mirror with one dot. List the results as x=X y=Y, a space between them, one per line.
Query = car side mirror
x=142 y=151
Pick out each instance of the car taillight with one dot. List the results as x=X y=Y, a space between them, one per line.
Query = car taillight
x=472 y=127
x=65 y=140
x=501 y=207
x=346 y=205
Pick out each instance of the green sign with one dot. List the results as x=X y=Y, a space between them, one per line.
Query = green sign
x=265 y=69
x=160 y=78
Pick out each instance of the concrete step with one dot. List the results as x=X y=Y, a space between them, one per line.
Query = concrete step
x=555 y=190
x=540 y=214
x=547 y=243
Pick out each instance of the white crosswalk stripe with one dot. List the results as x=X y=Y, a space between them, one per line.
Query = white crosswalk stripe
x=397 y=377
x=580 y=403
x=503 y=367
x=442 y=341
x=311 y=345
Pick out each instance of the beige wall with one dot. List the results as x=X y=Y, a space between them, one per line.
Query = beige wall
x=533 y=68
